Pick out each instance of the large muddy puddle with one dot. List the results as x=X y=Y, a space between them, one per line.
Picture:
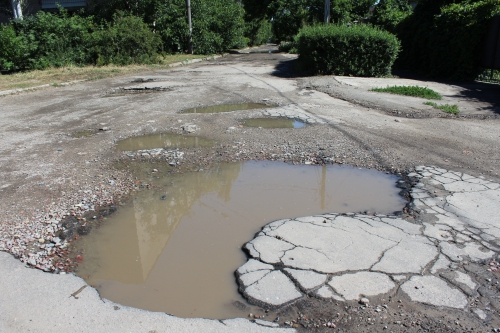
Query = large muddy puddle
x=175 y=248
x=162 y=140
x=227 y=108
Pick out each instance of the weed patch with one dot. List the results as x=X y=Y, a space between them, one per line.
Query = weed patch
x=413 y=91
x=453 y=109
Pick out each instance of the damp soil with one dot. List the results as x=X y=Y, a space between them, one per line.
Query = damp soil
x=163 y=140
x=227 y=108
x=174 y=247
x=273 y=123
x=83 y=134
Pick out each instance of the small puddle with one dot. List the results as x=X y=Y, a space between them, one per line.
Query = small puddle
x=273 y=123
x=227 y=108
x=163 y=140
x=175 y=248
x=83 y=134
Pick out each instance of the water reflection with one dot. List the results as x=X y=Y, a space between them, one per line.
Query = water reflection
x=227 y=108
x=273 y=123
x=178 y=255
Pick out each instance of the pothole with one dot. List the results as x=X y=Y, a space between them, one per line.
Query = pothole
x=175 y=247
x=273 y=123
x=163 y=140
x=227 y=108
x=83 y=134
x=135 y=90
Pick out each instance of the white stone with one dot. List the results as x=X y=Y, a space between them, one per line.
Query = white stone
x=307 y=279
x=411 y=255
x=465 y=279
x=437 y=231
x=252 y=277
x=480 y=313
x=353 y=286
x=464 y=187
x=270 y=249
x=253 y=265
x=441 y=263
x=274 y=289
x=434 y=291
x=470 y=250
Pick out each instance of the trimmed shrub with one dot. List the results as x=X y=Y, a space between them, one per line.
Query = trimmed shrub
x=125 y=41
x=347 y=50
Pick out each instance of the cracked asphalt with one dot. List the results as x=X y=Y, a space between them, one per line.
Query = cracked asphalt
x=433 y=267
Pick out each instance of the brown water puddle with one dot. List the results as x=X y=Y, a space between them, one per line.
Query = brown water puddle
x=83 y=134
x=162 y=140
x=273 y=123
x=227 y=108
x=178 y=255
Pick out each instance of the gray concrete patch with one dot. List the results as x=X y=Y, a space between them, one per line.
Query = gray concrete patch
x=375 y=254
x=411 y=255
x=274 y=289
x=306 y=279
x=434 y=291
x=31 y=300
x=354 y=286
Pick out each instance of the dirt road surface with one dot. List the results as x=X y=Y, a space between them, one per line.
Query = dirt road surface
x=58 y=156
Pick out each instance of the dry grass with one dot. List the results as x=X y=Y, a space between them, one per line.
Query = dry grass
x=58 y=76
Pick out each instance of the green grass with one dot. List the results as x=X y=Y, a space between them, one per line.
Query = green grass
x=58 y=76
x=453 y=109
x=414 y=91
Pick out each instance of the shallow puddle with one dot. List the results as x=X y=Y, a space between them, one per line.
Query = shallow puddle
x=162 y=140
x=227 y=108
x=273 y=123
x=82 y=134
x=174 y=249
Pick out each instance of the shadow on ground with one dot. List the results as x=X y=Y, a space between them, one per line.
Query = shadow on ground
x=474 y=91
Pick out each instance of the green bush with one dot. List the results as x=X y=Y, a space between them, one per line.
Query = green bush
x=15 y=49
x=342 y=50
x=218 y=25
x=124 y=41
x=258 y=31
x=288 y=47
x=289 y=16
x=47 y=39
x=389 y=13
x=443 y=39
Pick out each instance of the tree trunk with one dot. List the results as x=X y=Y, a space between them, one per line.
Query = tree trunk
x=327 y=11
x=16 y=9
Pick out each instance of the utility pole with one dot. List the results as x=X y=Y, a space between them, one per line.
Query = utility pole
x=190 y=44
x=16 y=9
x=327 y=11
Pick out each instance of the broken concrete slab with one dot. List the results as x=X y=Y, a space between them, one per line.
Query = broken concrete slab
x=411 y=255
x=473 y=251
x=327 y=292
x=253 y=265
x=28 y=293
x=306 y=279
x=432 y=290
x=274 y=289
x=354 y=286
